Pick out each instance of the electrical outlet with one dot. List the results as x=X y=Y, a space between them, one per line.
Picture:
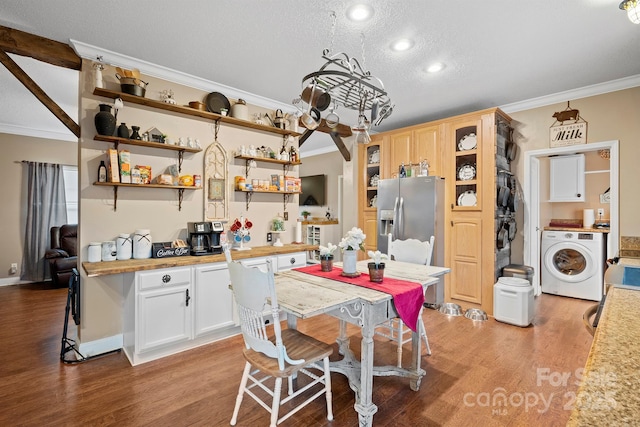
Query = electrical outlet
x=14 y=268
x=269 y=237
x=600 y=212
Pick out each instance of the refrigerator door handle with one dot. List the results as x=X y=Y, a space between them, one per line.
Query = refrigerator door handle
x=400 y=218
x=394 y=228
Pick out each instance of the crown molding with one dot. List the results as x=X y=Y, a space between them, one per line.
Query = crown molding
x=37 y=133
x=583 y=92
x=92 y=53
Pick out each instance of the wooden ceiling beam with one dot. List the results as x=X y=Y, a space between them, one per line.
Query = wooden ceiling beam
x=337 y=139
x=35 y=89
x=45 y=50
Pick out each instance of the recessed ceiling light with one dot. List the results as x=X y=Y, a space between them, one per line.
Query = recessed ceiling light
x=360 y=12
x=435 y=67
x=402 y=45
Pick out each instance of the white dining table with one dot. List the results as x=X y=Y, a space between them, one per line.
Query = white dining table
x=302 y=295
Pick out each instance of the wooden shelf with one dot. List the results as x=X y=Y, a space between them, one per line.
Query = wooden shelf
x=268 y=160
x=373 y=165
x=269 y=191
x=467 y=182
x=467 y=153
x=140 y=143
x=190 y=111
x=117 y=185
x=124 y=184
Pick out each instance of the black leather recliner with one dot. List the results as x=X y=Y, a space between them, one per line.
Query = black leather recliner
x=63 y=255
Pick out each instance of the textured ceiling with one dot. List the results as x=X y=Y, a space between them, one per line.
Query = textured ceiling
x=496 y=51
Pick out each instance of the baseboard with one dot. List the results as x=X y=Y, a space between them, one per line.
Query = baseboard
x=7 y=281
x=103 y=345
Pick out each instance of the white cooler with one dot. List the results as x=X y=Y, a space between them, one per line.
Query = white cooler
x=513 y=301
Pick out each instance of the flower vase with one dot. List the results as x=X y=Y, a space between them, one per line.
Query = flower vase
x=349 y=260
x=376 y=271
x=105 y=121
x=326 y=262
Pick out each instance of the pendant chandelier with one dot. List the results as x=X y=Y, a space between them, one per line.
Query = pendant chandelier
x=343 y=81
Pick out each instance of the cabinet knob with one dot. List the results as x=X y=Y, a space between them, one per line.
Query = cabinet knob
x=292 y=261
x=166 y=278
x=579 y=195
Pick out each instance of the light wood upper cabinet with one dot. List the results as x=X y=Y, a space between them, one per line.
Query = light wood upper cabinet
x=426 y=146
x=398 y=151
x=410 y=146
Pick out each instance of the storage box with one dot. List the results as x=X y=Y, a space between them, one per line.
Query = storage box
x=164 y=250
x=114 y=168
x=124 y=157
x=513 y=301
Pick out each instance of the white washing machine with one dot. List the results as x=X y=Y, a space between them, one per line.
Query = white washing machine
x=573 y=264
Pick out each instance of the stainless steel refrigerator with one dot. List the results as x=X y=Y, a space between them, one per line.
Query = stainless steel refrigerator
x=413 y=208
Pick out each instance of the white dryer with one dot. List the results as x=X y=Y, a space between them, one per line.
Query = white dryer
x=573 y=264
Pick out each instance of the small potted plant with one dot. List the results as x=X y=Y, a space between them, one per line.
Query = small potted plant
x=305 y=214
x=376 y=268
x=326 y=257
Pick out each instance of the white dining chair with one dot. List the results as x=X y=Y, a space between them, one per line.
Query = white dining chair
x=271 y=353
x=415 y=252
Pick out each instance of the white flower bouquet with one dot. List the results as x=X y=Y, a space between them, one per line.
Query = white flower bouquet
x=377 y=256
x=354 y=240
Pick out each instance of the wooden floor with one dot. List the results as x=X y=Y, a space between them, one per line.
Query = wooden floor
x=480 y=374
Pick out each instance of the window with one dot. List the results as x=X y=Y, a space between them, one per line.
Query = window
x=71 y=192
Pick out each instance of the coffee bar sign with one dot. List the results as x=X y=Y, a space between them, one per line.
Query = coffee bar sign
x=568 y=129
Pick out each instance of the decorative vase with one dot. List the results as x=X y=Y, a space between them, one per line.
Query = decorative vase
x=326 y=262
x=349 y=260
x=123 y=131
x=376 y=271
x=105 y=121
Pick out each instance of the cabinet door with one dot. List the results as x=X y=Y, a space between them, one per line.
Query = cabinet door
x=213 y=300
x=370 y=228
x=164 y=317
x=567 y=178
x=466 y=259
x=426 y=147
x=397 y=151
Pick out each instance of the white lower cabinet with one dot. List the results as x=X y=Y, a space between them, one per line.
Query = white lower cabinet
x=164 y=308
x=175 y=309
x=214 y=307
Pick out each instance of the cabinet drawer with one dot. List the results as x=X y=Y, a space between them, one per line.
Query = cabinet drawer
x=289 y=261
x=163 y=278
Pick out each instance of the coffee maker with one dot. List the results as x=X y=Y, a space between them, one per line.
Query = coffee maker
x=204 y=237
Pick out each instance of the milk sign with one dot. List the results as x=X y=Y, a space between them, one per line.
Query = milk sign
x=561 y=135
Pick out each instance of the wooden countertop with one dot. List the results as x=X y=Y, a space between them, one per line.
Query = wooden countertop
x=609 y=393
x=578 y=229
x=94 y=269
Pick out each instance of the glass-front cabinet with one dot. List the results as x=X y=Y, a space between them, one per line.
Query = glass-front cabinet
x=468 y=165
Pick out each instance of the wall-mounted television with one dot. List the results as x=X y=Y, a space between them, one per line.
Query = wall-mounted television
x=313 y=190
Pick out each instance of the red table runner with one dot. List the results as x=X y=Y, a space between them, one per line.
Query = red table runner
x=408 y=297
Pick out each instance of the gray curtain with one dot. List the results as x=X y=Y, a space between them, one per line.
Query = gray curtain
x=45 y=208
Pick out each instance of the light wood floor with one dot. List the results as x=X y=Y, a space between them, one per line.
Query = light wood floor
x=473 y=365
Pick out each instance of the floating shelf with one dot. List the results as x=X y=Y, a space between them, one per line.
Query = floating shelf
x=117 y=140
x=190 y=111
x=116 y=185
